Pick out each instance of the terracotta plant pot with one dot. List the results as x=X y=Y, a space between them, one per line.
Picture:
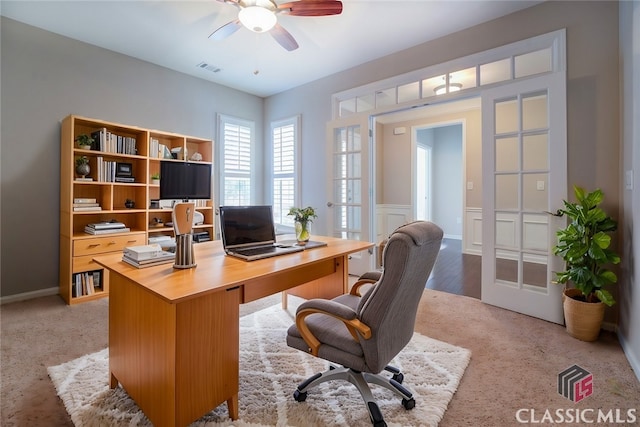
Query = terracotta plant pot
x=583 y=319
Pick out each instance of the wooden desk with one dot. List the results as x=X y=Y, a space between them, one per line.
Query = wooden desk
x=174 y=334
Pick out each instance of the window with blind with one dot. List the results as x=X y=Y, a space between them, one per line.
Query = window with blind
x=236 y=169
x=285 y=176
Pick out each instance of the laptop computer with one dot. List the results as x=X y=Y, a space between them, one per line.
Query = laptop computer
x=248 y=233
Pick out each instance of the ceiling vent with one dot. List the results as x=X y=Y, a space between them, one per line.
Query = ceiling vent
x=208 y=67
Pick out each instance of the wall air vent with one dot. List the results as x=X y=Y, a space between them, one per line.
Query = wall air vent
x=208 y=67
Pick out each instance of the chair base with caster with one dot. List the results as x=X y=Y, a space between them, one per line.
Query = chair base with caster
x=361 y=380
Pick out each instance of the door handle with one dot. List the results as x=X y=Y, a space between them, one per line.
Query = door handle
x=329 y=204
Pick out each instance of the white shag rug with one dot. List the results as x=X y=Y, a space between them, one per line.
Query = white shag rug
x=269 y=373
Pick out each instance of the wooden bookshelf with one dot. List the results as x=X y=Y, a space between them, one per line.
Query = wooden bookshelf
x=77 y=248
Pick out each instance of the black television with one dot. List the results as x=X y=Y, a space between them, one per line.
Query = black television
x=185 y=181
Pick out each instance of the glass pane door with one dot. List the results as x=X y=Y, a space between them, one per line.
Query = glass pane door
x=349 y=192
x=524 y=178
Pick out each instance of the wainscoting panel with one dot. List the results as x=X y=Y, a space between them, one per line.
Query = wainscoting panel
x=535 y=234
x=390 y=217
x=473 y=231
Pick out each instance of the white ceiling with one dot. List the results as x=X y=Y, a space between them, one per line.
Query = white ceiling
x=174 y=34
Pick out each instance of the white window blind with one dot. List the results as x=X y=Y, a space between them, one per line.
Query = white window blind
x=237 y=166
x=285 y=169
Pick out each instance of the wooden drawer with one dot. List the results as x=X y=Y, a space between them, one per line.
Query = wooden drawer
x=84 y=263
x=99 y=245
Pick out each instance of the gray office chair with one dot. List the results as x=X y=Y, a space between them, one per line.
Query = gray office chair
x=364 y=333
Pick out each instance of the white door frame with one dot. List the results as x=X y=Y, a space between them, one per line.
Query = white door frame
x=428 y=190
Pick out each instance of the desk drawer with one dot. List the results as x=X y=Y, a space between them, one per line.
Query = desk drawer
x=98 y=245
x=281 y=281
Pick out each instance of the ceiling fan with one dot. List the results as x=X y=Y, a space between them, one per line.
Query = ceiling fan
x=260 y=16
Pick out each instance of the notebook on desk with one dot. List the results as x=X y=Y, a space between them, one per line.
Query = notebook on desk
x=248 y=233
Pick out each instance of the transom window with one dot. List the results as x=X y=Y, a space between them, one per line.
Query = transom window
x=483 y=69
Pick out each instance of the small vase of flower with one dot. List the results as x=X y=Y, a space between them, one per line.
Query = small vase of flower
x=303 y=217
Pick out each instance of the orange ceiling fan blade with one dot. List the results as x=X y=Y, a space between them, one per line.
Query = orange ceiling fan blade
x=226 y=30
x=311 y=8
x=283 y=37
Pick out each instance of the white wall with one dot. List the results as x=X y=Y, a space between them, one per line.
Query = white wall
x=447 y=179
x=46 y=77
x=629 y=286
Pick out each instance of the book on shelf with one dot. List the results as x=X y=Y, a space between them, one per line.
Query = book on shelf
x=106 y=225
x=84 y=200
x=86 y=208
x=93 y=231
x=85 y=283
x=86 y=179
x=110 y=142
x=170 y=258
x=154 y=147
x=106 y=170
x=84 y=204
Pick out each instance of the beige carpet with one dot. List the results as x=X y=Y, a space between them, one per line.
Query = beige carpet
x=269 y=373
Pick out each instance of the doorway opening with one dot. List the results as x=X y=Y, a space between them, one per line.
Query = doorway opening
x=434 y=141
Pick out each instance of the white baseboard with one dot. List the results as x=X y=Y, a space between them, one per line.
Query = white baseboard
x=453 y=236
x=29 y=295
x=631 y=356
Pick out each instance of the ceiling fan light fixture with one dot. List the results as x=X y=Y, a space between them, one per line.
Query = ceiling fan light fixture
x=453 y=87
x=256 y=18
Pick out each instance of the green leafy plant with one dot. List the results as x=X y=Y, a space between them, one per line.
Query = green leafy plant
x=155 y=175
x=84 y=140
x=82 y=160
x=584 y=246
x=303 y=215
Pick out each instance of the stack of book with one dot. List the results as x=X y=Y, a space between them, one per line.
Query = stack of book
x=147 y=256
x=85 y=204
x=107 y=227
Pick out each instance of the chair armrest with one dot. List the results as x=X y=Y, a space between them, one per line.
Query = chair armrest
x=355 y=289
x=330 y=308
x=368 y=278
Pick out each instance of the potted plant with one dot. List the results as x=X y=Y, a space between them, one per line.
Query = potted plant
x=82 y=166
x=84 y=141
x=302 y=217
x=584 y=247
x=155 y=178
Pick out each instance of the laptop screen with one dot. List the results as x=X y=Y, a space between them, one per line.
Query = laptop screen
x=242 y=226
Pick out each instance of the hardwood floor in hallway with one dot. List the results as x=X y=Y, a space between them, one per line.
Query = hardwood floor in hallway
x=455 y=272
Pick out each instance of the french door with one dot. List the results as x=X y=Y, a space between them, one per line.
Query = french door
x=524 y=177
x=349 y=186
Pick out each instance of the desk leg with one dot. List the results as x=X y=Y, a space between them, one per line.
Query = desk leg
x=285 y=300
x=114 y=382
x=232 y=405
